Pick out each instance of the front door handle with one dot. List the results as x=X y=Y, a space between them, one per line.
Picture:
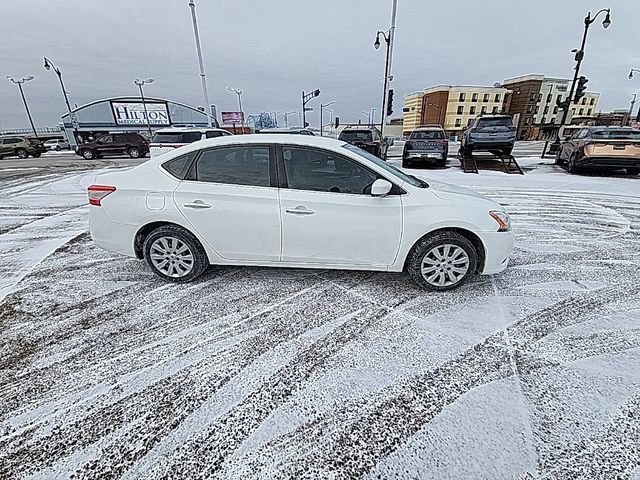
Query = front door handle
x=197 y=204
x=299 y=211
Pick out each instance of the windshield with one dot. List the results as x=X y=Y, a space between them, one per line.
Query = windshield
x=617 y=134
x=427 y=135
x=416 y=182
x=355 y=135
x=495 y=122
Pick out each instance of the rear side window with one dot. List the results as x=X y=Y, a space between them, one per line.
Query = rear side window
x=427 y=135
x=236 y=165
x=214 y=134
x=176 y=137
x=12 y=140
x=179 y=166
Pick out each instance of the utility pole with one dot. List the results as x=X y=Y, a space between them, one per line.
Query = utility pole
x=388 y=77
x=203 y=76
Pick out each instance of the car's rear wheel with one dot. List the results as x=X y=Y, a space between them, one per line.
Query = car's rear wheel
x=572 y=166
x=134 y=152
x=36 y=154
x=88 y=154
x=174 y=254
x=442 y=261
x=558 y=156
x=22 y=153
x=58 y=148
x=405 y=163
x=633 y=171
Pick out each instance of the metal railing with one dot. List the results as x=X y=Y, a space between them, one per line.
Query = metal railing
x=28 y=131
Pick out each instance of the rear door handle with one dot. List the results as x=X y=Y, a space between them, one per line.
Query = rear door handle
x=299 y=211
x=197 y=204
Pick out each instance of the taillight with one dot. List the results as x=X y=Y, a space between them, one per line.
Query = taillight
x=98 y=192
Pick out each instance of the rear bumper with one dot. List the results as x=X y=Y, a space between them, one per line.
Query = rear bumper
x=498 y=247
x=110 y=235
x=425 y=155
x=485 y=145
x=609 y=162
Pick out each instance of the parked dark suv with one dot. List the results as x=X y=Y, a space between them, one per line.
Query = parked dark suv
x=492 y=133
x=21 y=147
x=131 y=144
x=426 y=144
x=367 y=138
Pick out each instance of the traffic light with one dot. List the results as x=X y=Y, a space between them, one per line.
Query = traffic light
x=337 y=124
x=390 y=102
x=580 y=89
x=306 y=124
x=316 y=92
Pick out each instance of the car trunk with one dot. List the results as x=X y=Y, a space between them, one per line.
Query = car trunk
x=613 y=148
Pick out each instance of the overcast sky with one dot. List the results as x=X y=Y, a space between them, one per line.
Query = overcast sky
x=273 y=50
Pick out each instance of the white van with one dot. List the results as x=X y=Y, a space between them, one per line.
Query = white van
x=167 y=139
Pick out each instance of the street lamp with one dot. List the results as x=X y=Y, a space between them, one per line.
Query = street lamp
x=322 y=107
x=305 y=99
x=19 y=82
x=588 y=20
x=203 y=75
x=48 y=65
x=368 y=114
x=140 y=83
x=634 y=98
x=239 y=93
x=388 y=37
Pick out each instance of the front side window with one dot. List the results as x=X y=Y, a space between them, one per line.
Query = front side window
x=106 y=139
x=323 y=171
x=236 y=165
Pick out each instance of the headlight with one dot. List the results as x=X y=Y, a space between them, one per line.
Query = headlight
x=503 y=220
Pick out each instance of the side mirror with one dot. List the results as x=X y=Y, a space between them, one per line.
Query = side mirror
x=389 y=140
x=380 y=188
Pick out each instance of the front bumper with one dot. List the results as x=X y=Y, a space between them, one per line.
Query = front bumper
x=498 y=247
x=425 y=155
x=480 y=145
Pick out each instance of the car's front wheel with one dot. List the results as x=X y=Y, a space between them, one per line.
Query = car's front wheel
x=442 y=261
x=22 y=153
x=174 y=254
x=88 y=154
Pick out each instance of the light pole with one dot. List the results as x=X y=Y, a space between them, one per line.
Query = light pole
x=322 y=107
x=203 y=76
x=588 y=20
x=634 y=98
x=388 y=37
x=305 y=99
x=19 y=82
x=239 y=93
x=48 y=65
x=140 y=83
x=368 y=114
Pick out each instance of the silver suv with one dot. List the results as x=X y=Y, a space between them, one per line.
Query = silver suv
x=21 y=147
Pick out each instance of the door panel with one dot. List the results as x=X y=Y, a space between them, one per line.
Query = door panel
x=336 y=228
x=229 y=200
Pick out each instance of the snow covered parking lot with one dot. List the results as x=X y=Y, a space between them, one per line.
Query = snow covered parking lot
x=266 y=373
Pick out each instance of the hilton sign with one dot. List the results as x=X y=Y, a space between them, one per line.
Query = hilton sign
x=133 y=113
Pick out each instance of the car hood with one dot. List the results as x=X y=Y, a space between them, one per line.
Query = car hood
x=445 y=190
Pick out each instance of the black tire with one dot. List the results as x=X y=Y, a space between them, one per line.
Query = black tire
x=405 y=163
x=36 y=155
x=558 y=154
x=134 y=152
x=22 y=153
x=425 y=246
x=58 y=148
x=88 y=154
x=633 y=171
x=571 y=164
x=199 y=263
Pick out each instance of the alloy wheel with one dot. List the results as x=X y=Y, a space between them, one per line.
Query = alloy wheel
x=445 y=265
x=171 y=257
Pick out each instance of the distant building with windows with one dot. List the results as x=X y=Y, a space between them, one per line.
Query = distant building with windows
x=452 y=106
x=534 y=105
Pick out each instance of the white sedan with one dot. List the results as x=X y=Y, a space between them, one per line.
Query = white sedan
x=295 y=201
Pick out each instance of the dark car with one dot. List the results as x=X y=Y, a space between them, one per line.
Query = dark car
x=606 y=147
x=131 y=144
x=366 y=138
x=21 y=147
x=426 y=144
x=492 y=133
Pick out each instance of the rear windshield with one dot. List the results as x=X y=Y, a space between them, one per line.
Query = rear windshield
x=354 y=135
x=617 y=134
x=495 y=122
x=176 y=137
x=427 y=135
